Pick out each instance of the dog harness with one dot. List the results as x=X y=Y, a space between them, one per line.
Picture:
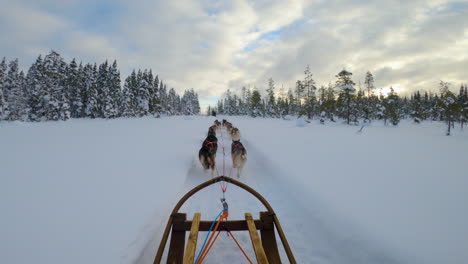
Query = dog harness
x=237 y=147
x=210 y=145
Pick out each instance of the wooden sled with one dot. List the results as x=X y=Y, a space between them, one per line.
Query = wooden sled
x=265 y=246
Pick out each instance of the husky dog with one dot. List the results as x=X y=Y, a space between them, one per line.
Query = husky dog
x=212 y=131
x=235 y=134
x=224 y=122
x=228 y=127
x=207 y=153
x=239 y=156
x=217 y=123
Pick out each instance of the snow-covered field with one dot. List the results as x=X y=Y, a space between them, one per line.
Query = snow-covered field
x=97 y=191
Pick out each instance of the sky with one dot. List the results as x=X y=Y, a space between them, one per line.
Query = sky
x=211 y=46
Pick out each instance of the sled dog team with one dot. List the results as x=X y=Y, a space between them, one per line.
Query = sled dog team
x=207 y=153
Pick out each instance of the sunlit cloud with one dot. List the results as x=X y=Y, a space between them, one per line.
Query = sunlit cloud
x=215 y=45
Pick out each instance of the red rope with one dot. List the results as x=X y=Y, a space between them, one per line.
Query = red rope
x=238 y=245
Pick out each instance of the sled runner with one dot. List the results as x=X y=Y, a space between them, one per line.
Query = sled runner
x=265 y=246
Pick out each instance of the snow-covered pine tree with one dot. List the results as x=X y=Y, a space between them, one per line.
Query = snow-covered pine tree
x=163 y=98
x=13 y=92
x=360 y=107
x=392 y=107
x=178 y=104
x=104 y=99
x=369 y=83
x=23 y=95
x=155 y=103
x=449 y=105
x=54 y=71
x=171 y=103
x=127 y=108
x=271 y=109
x=187 y=103
x=83 y=93
x=309 y=89
x=299 y=90
x=257 y=108
x=195 y=103
x=37 y=98
x=248 y=102
x=73 y=81
x=243 y=102
x=416 y=106
x=220 y=107
x=463 y=102
x=347 y=94
x=143 y=93
x=92 y=107
x=3 y=71
x=292 y=109
x=115 y=92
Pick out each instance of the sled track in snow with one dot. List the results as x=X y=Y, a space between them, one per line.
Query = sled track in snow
x=312 y=238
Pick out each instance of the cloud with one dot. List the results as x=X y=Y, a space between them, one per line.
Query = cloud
x=214 y=45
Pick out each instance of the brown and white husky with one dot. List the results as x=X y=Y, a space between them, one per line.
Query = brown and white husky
x=239 y=156
x=235 y=134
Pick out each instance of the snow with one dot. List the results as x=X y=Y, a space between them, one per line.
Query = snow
x=301 y=122
x=100 y=191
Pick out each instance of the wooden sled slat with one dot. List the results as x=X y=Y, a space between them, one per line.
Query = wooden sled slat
x=256 y=243
x=192 y=240
x=176 y=246
x=267 y=233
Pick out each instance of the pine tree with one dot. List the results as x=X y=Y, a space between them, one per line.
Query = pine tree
x=115 y=92
x=92 y=106
x=392 y=107
x=248 y=102
x=155 y=102
x=54 y=71
x=271 y=108
x=449 y=105
x=309 y=88
x=3 y=71
x=37 y=99
x=82 y=88
x=463 y=103
x=256 y=103
x=13 y=92
x=369 y=82
x=195 y=103
x=417 y=111
x=299 y=97
x=73 y=82
x=361 y=108
x=143 y=93
x=127 y=108
x=171 y=102
x=347 y=94
x=163 y=98
x=104 y=99
x=227 y=103
x=292 y=109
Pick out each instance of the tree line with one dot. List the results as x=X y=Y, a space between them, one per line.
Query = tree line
x=55 y=90
x=342 y=100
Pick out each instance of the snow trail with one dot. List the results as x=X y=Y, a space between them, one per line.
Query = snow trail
x=303 y=220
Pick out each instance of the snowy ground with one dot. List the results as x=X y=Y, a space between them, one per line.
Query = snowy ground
x=96 y=191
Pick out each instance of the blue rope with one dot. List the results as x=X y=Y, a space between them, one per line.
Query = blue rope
x=207 y=235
